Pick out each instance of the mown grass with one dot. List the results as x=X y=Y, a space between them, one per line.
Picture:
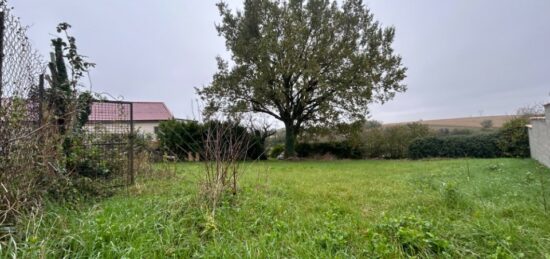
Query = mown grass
x=313 y=209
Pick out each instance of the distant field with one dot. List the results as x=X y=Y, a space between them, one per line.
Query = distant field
x=492 y=208
x=467 y=122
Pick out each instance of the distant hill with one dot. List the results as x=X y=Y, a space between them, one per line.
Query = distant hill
x=466 y=122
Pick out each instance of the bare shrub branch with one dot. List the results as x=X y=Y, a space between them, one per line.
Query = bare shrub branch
x=225 y=147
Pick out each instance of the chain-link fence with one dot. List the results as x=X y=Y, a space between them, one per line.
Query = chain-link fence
x=21 y=68
x=22 y=65
x=39 y=155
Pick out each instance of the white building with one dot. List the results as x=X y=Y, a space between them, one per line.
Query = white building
x=114 y=117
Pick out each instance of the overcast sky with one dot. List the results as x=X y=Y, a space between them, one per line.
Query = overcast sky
x=465 y=58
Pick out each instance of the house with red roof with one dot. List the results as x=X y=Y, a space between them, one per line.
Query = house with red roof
x=146 y=116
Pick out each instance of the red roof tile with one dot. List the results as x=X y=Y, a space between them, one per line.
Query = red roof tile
x=143 y=111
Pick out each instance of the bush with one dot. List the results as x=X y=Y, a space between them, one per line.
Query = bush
x=341 y=150
x=367 y=140
x=486 y=124
x=256 y=146
x=411 y=235
x=480 y=146
x=461 y=132
x=256 y=142
x=101 y=160
x=277 y=150
x=181 y=137
x=392 y=142
x=514 y=139
x=455 y=131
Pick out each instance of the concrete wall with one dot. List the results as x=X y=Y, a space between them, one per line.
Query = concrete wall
x=539 y=137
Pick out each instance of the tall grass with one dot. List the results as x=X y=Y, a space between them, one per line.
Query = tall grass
x=341 y=209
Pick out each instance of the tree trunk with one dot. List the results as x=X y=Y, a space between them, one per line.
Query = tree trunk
x=290 y=140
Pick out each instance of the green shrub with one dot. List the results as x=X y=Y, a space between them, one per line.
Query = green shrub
x=362 y=139
x=453 y=198
x=100 y=160
x=181 y=137
x=514 y=139
x=256 y=146
x=341 y=150
x=277 y=150
x=253 y=138
x=461 y=132
x=455 y=131
x=412 y=236
x=393 y=141
x=480 y=146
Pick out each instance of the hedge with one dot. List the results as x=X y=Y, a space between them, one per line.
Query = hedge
x=341 y=150
x=277 y=150
x=478 y=146
x=392 y=142
x=180 y=137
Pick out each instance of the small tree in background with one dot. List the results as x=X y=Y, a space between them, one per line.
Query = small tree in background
x=305 y=63
x=533 y=110
x=486 y=124
x=70 y=108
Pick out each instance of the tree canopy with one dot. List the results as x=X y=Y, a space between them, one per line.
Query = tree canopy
x=304 y=63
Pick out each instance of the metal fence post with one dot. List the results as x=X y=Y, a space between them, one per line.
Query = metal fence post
x=40 y=100
x=2 y=31
x=131 y=142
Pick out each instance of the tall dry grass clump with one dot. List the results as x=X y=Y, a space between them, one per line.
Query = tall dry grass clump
x=20 y=137
x=32 y=163
x=20 y=152
x=42 y=110
x=225 y=148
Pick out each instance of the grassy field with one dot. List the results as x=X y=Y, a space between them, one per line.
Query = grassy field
x=317 y=209
x=466 y=122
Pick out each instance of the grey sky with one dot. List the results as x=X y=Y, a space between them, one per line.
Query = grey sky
x=465 y=58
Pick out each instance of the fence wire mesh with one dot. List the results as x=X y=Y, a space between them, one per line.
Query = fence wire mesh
x=22 y=65
x=34 y=151
x=20 y=70
x=21 y=149
x=110 y=133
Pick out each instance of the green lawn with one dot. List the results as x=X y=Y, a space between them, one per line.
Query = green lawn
x=315 y=209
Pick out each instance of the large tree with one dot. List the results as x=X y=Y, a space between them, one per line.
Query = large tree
x=304 y=63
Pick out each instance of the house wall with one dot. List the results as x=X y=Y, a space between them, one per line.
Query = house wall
x=539 y=137
x=146 y=128
x=139 y=126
